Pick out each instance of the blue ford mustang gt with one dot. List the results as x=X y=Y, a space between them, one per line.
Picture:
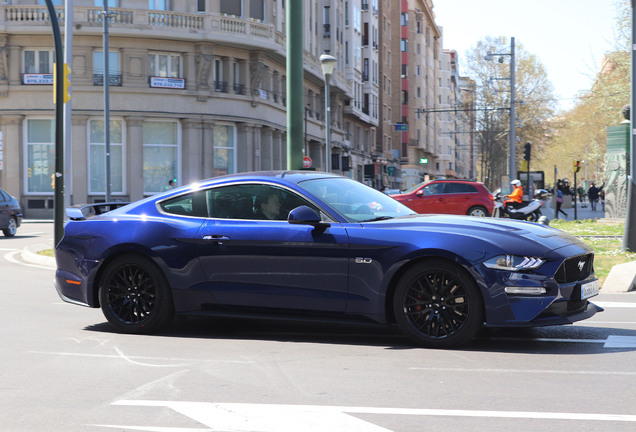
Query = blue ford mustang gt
x=311 y=245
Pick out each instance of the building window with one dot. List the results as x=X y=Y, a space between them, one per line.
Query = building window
x=257 y=10
x=224 y=150
x=40 y=149
x=404 y=18
x=55 y=2
x=404 y=44
x=157 y=4
x=111 y=3
x=232 y=7
x=114 y=74
x=37 y=61
x=97 y=157
x=160 y=154
x=164 y=65
x=200 y=5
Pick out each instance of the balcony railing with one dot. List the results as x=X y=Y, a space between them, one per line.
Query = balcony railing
x=90 y=18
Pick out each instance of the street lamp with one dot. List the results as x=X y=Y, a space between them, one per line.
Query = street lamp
x=489 y=56
x=328 y=63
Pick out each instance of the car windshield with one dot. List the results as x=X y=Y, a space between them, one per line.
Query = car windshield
x=413 y=188
x=355 y=201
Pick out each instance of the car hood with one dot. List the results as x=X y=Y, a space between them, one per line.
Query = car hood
x=505 y=234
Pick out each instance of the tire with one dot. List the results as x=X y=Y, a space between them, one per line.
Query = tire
x=135 y=296
x=478 y=211
x=437 y=305
x=11 y=229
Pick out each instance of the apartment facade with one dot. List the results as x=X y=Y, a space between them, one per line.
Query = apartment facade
x=197 y=89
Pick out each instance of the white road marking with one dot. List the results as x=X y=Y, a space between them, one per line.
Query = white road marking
x=525 y=371
x=614 y=304
x=10 y=257
x=8 y=249
x=156 y=359
x=233 y=417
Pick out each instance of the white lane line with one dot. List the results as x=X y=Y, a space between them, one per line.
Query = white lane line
x=526 y=371
x=612 y=341
x=235 y=417
x=8 y=249
x=138 y=358
x=11 y=258
x=604 y=304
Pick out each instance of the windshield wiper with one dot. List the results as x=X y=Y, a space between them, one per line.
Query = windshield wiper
x=379 y=218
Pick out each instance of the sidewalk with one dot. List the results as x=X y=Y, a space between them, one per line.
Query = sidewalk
x=583 y=211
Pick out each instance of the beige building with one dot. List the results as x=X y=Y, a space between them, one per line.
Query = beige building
x=198 y=89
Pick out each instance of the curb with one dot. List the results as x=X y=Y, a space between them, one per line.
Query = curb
x=30 y=255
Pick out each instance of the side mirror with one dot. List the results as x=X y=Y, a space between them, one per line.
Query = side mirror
x=420 y=192
x=304 y=215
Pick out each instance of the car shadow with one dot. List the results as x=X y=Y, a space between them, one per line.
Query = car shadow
x=563 y=340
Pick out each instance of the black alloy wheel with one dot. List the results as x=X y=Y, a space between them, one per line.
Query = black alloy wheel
x=134 y=295
x=438 y=305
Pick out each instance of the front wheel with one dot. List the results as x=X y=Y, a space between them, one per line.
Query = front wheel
x=437 y=305
x=11 y=229
x=134 y=295
x=478 y=211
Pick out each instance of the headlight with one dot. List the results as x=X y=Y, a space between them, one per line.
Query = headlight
x=513 y=263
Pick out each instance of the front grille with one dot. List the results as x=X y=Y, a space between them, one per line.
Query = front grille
x=575 y=303
x=575 y=269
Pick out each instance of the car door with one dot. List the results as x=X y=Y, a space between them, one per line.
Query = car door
x=5 y=210
x=429 y=199
x=250 y=261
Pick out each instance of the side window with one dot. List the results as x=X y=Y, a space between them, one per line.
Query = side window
x=460 y=188
x=3 y=196
x=193 y=204
x=253 y=201
x=433 y=189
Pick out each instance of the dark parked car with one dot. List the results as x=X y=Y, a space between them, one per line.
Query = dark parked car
x=459 y=197
x=10 y=214
x=311 y=245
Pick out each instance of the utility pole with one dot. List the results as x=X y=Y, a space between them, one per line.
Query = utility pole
x=68 y=106
x=295 y=84
x=105 y=18
x=58 y=210
x=629 y=232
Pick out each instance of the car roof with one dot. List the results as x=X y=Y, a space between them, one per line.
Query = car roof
x=290 y=176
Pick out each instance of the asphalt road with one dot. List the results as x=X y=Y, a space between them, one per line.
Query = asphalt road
x=62 y=368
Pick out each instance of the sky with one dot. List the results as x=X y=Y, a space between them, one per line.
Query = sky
x=569 y=37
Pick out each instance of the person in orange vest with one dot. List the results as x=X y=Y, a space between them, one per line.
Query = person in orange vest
x=516 y=197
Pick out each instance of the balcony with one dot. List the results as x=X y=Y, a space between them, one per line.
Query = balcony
x=146 y=23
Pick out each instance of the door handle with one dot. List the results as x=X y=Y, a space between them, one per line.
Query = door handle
x=217 y=238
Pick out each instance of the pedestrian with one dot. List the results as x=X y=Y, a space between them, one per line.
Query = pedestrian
x=559 y=203
x=593 y=195
x=171 y=184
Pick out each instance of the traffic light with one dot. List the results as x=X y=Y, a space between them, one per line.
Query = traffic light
x=527 y=148
x=66 y=83
x=577 y=166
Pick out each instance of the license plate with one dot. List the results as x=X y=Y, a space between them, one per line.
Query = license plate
x=589 y=289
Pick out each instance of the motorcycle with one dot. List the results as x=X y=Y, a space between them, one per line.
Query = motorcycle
x=530 y=210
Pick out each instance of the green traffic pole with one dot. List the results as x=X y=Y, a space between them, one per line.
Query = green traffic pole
x=295 y=85
x=59 y=126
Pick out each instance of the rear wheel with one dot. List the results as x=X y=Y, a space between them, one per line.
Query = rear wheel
x=438 y=305
x=478 y=211
x=12 y=228
x=135 y=296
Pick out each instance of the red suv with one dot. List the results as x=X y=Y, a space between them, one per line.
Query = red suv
x=449 y=197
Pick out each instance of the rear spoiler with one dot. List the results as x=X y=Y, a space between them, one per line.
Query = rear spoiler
x=82 y=211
